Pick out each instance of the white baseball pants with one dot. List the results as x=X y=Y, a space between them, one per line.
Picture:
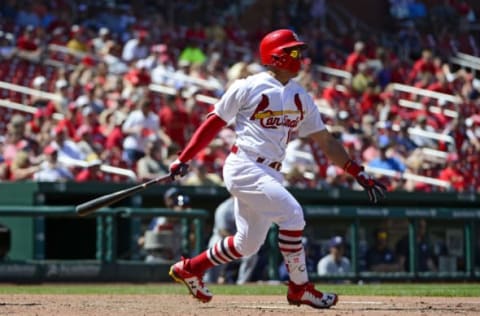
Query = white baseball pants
x=260 y=200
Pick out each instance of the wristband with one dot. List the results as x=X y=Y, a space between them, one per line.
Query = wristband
x=352 y=167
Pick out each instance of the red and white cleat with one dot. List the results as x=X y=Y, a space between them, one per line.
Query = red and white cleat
x=193 y=282
x=307 y=295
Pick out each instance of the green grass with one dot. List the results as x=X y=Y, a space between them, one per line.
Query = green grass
x=434 y=289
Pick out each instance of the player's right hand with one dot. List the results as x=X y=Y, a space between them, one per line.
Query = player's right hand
x=374 y=188
x=178 y=169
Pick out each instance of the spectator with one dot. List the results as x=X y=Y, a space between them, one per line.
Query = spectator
x=7 y=46
x=33 y=127
x=335 y=262
x=158 y=54
x=356 y=58
x=111 y=127
x=387 y=162
x=39 y=83
x=332 y=94
x=192 y=53
x=151 y=166
x=51 y=170
x=84 y=140
x=421 y=140
x=422 y=66
x=139 y=125
x=111 y=54
x=473 y=131
x=92 y=171
x=27 y=44
x=163 y=238
x=402 y=138
x=452 y=173
x=175 y=120
x=61 y=90
x=362 y=79
x=99 y=43
x=91 y=99
x=77 y=42
x=424 y=250
x=21 y=167
x=67 y=151
x=163 y=71
x=16 y=141
x=379 y=257
x=137 y=76
x=224 y=225
x=136 y=48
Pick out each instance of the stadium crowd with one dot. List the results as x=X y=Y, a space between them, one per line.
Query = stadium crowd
x=126 y=84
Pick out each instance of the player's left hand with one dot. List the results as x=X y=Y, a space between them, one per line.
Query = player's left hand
x=374 y=188
x=178 y=169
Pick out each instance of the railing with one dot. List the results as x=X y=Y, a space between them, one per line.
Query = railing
x=103 y=167
x=25 y=108
x=334 y=72
x=107 y=224
x=426 y=93
x=408 y=176
x=466 y=60
x=30 y=91
x=107 y=266
x=420 y=106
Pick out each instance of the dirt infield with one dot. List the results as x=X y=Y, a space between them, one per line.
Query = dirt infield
x=119 y=305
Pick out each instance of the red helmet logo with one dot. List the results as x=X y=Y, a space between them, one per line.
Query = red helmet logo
x=272 y=49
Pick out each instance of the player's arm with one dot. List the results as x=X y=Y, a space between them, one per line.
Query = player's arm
x=334 y=151
x=200 y=139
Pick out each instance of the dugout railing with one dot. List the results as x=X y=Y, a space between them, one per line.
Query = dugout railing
x=469 y=220
x=50 y=242
x=107 y=266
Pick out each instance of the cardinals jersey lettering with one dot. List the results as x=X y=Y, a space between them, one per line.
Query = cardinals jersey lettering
x=266 y=113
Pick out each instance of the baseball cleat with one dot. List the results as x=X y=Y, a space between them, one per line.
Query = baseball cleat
x=192 y=281
x=307 y=295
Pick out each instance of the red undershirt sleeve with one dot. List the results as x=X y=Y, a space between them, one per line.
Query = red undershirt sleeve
x=202 y=137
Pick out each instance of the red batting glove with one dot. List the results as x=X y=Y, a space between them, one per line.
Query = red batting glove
x=178 y=169
x=372 y=186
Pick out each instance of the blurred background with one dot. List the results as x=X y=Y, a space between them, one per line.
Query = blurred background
x=98 y=95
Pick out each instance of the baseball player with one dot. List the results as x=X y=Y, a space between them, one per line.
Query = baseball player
x=268 y=108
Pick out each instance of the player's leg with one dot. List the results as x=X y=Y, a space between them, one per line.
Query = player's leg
x=245 y=242
x=260 y=189
x=288 y=214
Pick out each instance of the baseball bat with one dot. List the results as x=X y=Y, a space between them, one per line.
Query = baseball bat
x=108 y=199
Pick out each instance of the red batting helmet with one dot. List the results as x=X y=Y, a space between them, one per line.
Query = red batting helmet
x=272 y=50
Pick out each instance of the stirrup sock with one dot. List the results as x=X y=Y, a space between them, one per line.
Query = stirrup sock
x=290 y=244
x=222 y=252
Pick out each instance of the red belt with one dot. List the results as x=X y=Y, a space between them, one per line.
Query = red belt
x=274 y=165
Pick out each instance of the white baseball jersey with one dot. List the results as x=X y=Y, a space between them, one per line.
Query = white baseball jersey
x=267 y=112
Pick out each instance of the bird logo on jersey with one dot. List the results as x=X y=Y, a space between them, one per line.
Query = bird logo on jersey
x=274 y=119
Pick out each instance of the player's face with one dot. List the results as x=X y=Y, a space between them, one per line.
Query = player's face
x=294 y=59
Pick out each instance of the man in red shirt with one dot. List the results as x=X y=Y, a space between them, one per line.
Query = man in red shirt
x=175 y=120
x=92 y=172
x=423 y=65
x=26 y=42
x=356 y=57
x=452 y=174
